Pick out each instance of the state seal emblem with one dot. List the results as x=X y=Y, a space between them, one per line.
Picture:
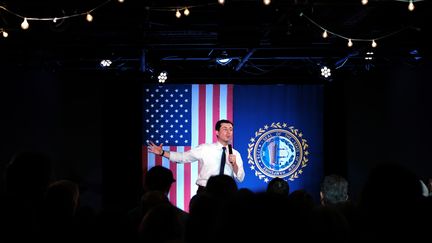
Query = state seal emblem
x=278 y=150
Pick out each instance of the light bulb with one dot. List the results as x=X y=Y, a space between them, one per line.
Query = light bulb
x=89 y=17
x=178 y=14
x=324 y=35
x=120 y=1
x=221 y=1
x=5 y=34
x=186 y=12
x=267 y=2
x=374 y=44
x=25 y=24
x=350 y=43
x=411 y=6
x=364 y=2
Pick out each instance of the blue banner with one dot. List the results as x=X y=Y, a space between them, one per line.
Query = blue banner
x=278 y=129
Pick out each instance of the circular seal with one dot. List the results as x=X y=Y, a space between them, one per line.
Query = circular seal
x=277 y=150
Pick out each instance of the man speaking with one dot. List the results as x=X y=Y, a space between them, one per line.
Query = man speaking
x=214 y=159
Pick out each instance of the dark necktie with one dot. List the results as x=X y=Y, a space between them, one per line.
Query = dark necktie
x=223 y=159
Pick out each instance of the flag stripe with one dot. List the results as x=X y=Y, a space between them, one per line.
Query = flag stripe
x=144 y=159
x=216 y=108
x=223 y=102
x=193 y=168
x=175 y=185
x=151 y=160
x=158 y=160
x=202 y=114
x=209 y=114
x=180 y=181
x=230 y=95
x=188 y=182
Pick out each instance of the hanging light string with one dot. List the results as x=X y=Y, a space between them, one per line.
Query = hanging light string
x=410 y=3
x=171 y=9
x=350 y=39
x=25 y=24
x=411 y=6
x=56 y=18
x=186 y=12
x=178 y=10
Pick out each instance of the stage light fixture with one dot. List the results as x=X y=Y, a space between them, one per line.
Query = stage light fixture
x=223 y=59
x=163 y=76
x=325 y=72
x=105 y=63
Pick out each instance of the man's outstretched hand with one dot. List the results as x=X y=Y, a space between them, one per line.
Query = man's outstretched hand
x=153 y=148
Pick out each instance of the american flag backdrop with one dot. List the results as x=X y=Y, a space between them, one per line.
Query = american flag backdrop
x=182 y=117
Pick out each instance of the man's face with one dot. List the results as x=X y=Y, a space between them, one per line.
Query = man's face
x=225 y=132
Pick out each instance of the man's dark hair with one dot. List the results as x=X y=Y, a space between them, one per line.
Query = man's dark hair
x=158 y=178
x=335 y=189
x=219 y=124
x=278 y=186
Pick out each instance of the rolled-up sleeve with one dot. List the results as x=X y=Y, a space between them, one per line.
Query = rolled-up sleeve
x=186 y=157
x=240 y=173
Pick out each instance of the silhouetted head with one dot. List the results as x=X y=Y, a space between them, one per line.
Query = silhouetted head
x=62 y=197
x=221 y=186
x=334 y=189
x=278 y=186
x=159 y=178
x=391 y=184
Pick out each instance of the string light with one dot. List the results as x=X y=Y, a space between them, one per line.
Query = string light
x=25 y=23
x=350 y=40
x=411 y=6
x=410 y=3
x=4 y=33
x=89 y=17
x=178 y=10
x=186 y=12
x=325 y=34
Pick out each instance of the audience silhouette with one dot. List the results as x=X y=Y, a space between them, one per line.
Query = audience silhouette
x=393 y=205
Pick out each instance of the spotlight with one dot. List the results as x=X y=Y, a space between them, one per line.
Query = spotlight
x=105 y=63
x=223 y=59
x=325 y=72
x=163 y=76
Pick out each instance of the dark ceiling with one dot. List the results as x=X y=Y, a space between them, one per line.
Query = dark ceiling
x=265 y=41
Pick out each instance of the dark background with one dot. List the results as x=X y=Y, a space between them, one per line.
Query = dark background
x=55 y=98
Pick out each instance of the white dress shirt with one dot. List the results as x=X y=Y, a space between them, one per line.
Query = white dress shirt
x=209 y=159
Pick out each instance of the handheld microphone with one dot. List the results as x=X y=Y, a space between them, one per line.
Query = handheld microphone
x=230 y=148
